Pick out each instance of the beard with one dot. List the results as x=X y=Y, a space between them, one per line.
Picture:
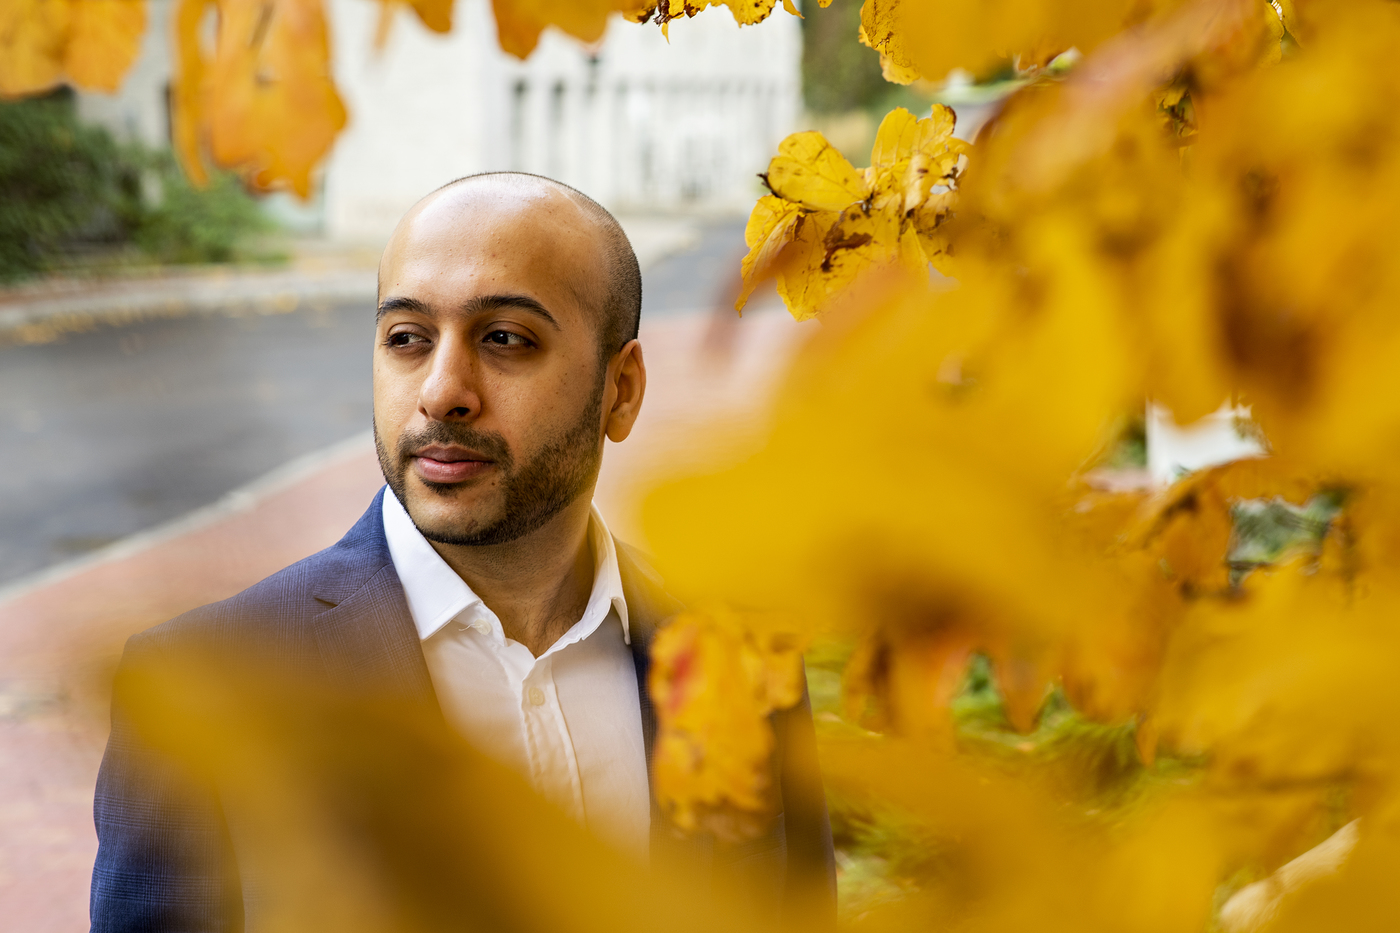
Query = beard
x=532 y=492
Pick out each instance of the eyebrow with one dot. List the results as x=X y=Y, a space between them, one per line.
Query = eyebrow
x=402 y=304
x=477 y=305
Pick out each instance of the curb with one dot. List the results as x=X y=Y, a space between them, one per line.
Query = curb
x=40 y=318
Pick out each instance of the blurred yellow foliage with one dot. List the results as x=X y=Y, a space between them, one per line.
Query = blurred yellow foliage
x=362 y=811
x=1005 y=858
x=261 y=100
x=713 y=683
x=89 y=42
x=1200 y=211
x=928 y=39
x=520 y=22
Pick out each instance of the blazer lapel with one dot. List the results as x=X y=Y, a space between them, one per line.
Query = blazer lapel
x=648 y=606
x=366 y=638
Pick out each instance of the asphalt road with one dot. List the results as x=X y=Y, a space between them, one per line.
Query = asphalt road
x=113 y=431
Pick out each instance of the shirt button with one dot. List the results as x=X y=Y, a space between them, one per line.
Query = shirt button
x=536 y=696
x=481 y=626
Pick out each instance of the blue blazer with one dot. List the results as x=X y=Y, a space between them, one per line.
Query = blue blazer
x=166 y=860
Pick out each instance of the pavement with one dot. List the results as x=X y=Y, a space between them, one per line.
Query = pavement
x=216 y=467
x=122 y=427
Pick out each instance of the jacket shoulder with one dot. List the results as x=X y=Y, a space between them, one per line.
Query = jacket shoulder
x=286 y=600
x=649 y=605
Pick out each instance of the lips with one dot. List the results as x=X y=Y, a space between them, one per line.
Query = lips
x=444 y=464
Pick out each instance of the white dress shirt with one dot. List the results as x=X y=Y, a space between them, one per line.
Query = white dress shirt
x=569 y=721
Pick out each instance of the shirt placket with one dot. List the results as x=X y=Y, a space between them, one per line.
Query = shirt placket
x=553 y=766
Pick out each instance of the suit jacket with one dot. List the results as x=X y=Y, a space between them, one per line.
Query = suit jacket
x=166 y=860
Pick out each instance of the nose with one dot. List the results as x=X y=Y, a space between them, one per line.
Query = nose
x=450 y=391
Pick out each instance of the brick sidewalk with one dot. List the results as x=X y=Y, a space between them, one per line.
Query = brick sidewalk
x=61 y=636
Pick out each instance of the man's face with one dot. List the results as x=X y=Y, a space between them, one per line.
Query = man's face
x=488 y=392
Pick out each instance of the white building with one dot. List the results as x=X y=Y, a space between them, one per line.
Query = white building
x=638 y=123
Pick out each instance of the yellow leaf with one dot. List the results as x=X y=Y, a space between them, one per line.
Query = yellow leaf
x=1189 y=527
x=912 y=252
x=894 y=141
x=105 y=39
x=435 y=14
x=771 y=226
x=92 y=43
x=809 y=171
x=187 y=93
x=927 y=38
x=714 y=682
x=894 y=67
x=748 y=12
x=889 y=159
x=909 y=371
x=893 y=71
x=745 y=12
x=934 y=157
x=1292 y=683
x=926 y=672
x=1036 y=866
x=520 y=22
x=927 y=218
x=829 y=251
x=32 y=37
x=887 y=212
x=854 y=218
x=264 y=104
x=1025 y=674
x=911 y=156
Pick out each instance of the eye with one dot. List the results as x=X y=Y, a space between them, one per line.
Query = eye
x=405 y=338
x=505 y=338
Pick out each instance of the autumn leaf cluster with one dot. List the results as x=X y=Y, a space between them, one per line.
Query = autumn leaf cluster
x=714 y=681
x=826 y=222
x=91 y=43
x=1200 y=212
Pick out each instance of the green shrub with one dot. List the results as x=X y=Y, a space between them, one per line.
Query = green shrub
x=60 y=182
x=189 y=224
x=68 y=190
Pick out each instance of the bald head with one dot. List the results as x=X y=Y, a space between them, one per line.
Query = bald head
x=579 y=231
x=503 y=359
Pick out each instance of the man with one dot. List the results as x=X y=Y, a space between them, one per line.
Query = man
x=481 y=581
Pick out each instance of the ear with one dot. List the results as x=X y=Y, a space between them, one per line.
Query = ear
x=627 y=374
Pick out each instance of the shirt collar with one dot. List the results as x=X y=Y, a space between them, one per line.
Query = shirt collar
x=436 y=595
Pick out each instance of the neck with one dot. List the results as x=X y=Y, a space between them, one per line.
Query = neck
x=537 y=585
